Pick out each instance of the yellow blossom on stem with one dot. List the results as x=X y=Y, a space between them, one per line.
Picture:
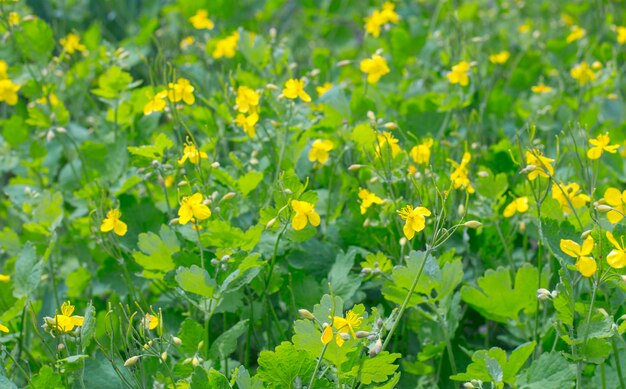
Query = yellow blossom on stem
x=601 y=144
x=459 y=176
x=65 y=322
x=156 y=103
x=191 y=152
x=575 y=34
x=319 y=150
x=186 y=42
x=4 y=67
x=377 y=19
x=71 y=43
x=583 y=73
x=345 y=326
x=542 y=166
x=585 y=264
x=4 y=328
x=304 y=212
x=113 y=223
x=459 y=74
x=421 y=152
x=386 y=141
x=541 y=88
x=14 y=18
x=8 y=91
x=519 y=205
x=500 y=58
x=247 y=99
x=5 y=278
x=322 y=89
x=226 y=47
x=615 y=199
x=192 y=209
x=621 y=35
x=374 y=67
x=566 y=194
x=294 y=89
x=201 y=20
x=415 y=220
x=367 y=199
x=247 y=123
x=181 y=90
x=617 y=256
x=150 y=322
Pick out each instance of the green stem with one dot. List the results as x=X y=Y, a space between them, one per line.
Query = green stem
x=618 y=365
x=317 y=366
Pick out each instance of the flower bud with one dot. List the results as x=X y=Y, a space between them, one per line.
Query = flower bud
x=176 y=341
x=305 y=313
x=61 y=130
x=482 y=174
x=585 y=234
x=164 y=356
x=472 y=224
x=195 y=361
x=543 y=294
x=366 y=271
x=461 y=210
x=603 y=312
x=344 y=62
x=60 y=347
x=522 y=227
x=228 y=196
x=604 y=208
x=468 y=385
x=271 y=223
x=376 y=348
x=354 y=167
x=215 y=165
x=183 y=183
x=390 y=125
x=131 y=361
x=528 y=169
x=271 y=87
x=362 y=334
x=371 y=116
x=50 y=136
x=403 y=241
x=374 y=180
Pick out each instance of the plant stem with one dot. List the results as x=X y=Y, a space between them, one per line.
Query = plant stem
x=317 y=366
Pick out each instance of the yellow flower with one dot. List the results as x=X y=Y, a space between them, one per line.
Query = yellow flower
x=322 y=89
x=386 y=141
x=615 y=199
x=601 y=144
x=304 y=211
x=621 y=35
x=367 y=199
x=5 y=278
x=575 y=34
x=247 y=99
x=186 y=42
x=191 y=208
x=54 y=100
x=415 y=220
x=156 y=104
x=342 y=325
x=421 y=153
x=113 y=223
x=500 y=57
x=378 y=19
x=519 y=205
x=4 y=328
x=319 y=150
x=617 y=257
x=247 y=123
x=583 y=73
x=182 y=90
x=374 y=67
x=542 y=165
x=8 y=91
x=150 y=322
x=585 y=264
x=226 y=47
x=459 y=175
x=14 y=18
x=294 y=89
x=567 y=19
x=65 y=322
x=191 y=152
x=571 y=192
x=389 y=13
x=541 y=88
x=201 y=20
x=71 y=43
x=523 y=28
x=458 y=75
x=3 y=70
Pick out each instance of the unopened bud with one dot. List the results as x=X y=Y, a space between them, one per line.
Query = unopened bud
x=528 y=169
x=344 y=336
x=228 y=196
x=468 y=385
x=305 y=313
x=131 y=361
x=362 y=334
x=374 y=180
x=270 y=223
x=314 y=72
x=273 y=32
x=403 y=241
x=604 y=208
x=472 y=224
x=390 y=125
x=482 y=174
x=623 y=278
x=543 y=294
x=164 y=356
x=201 y=344
x=344 y=62
x=376 y=348
x=176 y=341
x=195 y=361
x=603 y=312
x=354 y=167
x=215 y=165
x=461 y=210
x=183 y=183
x=271 y=87
x=61 y=130
x=366 y=271
x=522 y=227
x=60 y=347
x=173 y=221
x=371 y=116
x=585 y=234
x=50 y=136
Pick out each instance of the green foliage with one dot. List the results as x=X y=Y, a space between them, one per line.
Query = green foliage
x=156 y=252
x=281 y=367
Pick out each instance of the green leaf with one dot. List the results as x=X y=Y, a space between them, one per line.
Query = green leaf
x=157 y=250
x=344 y=284
x=549 y=371
x=46 y=378
x=364 y=137
x=191 y=334
x=226 y=343
x=112 y=82
x=249 y=181
x=281 y=367
x=36 y=39
x=77 y=281
x=335 y=98
x=88 y=328
x=156 y=151
x=595 y=350
x=49 y=211
x=497 y=299
x=377 y=369
x=217 y=380
x=195 y=280
x=6 y=383
x=492 y=187
x=27 y=273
